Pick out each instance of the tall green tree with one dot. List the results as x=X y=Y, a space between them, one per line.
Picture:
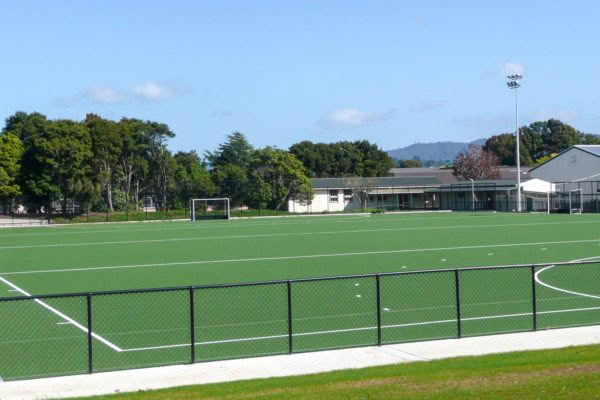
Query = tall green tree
x=57 y=163
x=236 y=150
x=192 y=179
x=11 y=150
x=133 y=160
x=161 y=162
x=106 y=147
x=360 y=158
x=284 y=172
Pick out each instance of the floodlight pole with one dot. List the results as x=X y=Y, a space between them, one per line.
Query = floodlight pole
x=513 y=83
x=472 y=193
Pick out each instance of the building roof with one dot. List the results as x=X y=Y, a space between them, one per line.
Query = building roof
x=486 y=185
x=443 y=175
x=446 y=176
x=592 y=149
x=340 y=183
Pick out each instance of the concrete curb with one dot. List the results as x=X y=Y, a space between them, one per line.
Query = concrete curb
x=288 y=365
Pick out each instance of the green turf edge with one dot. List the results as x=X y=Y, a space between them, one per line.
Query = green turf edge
x=568 y=373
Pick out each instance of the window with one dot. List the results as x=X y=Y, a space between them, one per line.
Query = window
x=347 y=195
x=333 y=196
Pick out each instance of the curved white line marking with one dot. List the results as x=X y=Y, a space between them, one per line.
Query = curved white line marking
x=538 y=280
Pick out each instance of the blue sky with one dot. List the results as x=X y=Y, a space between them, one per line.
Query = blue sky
x=392 y=72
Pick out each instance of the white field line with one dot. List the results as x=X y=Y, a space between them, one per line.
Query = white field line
x=538 y=280
x=63 y=316
x=358 y=329
x=128 y=227
x=62 y=230
x=309 y=256
x=278 y=321
x=76 y=230
x=268 y=235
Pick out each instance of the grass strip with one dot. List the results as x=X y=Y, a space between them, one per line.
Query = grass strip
x=569 y=373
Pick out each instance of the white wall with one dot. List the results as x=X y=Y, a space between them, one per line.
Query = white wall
x=322 y=202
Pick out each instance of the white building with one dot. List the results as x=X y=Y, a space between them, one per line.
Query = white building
x=579 y=163
x=421 y=192
x=574 y=172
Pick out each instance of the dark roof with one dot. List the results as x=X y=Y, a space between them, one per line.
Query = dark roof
x=446 y=176
x=510 y=172
x=443 y=175
x=488 y=185
x=339 y=183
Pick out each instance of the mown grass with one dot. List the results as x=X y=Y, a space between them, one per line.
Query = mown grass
x=570 y=373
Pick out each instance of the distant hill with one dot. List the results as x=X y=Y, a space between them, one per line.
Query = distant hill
x=439 y=151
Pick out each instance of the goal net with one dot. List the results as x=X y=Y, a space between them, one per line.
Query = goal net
x=209 y=209
x=575 y=201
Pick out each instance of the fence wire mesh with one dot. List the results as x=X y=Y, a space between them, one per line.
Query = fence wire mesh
x=418 y=307
x=241 y=321
x=37 y=340
x=140 y=329
x=50 y=335
x=334 y=313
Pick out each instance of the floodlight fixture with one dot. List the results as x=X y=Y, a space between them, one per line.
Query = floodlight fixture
x=513 y=83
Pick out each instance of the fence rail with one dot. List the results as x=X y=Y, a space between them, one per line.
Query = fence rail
x=62 y=334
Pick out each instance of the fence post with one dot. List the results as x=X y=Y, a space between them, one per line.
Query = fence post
x=457 y=290
x=378 y=286
x=290 y=328
x=192 y=327
x=89 y=338
x=533 y=298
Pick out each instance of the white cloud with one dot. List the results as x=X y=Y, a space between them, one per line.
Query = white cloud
x=512 y=69
x=104 y=94
x=353 y=118
x=154 y=91
x=427 y=105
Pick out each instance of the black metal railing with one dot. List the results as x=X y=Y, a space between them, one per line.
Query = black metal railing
x=62 y=334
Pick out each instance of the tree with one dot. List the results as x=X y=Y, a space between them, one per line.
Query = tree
x=161 y=162
x=231 y=181
x=504 y=147
x=57 y=162
x=284 y=172
x=106 y=146
x=236 y=150
x=11 y=150
x=192 y=180
x=361 y=187
x=476 y=164
x=133 y=160
x=360 y=158
x=414 y=163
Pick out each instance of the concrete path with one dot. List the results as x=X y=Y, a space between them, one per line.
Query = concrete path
x=296 y=364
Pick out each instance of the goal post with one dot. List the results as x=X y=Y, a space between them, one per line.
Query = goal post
x=575 y=201
x=214 y=208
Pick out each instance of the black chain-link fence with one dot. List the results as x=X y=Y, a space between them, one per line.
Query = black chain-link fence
x=83 y=333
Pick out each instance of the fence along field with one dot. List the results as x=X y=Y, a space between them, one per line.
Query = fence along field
x=49 y=335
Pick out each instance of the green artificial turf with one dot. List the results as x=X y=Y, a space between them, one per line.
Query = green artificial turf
x=49 y=337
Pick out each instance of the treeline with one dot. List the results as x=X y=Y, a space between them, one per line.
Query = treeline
x=102 y=165
x=539 y=141
x=343 y=159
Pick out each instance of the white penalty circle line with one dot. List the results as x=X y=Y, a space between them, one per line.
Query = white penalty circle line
x=538 y=280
